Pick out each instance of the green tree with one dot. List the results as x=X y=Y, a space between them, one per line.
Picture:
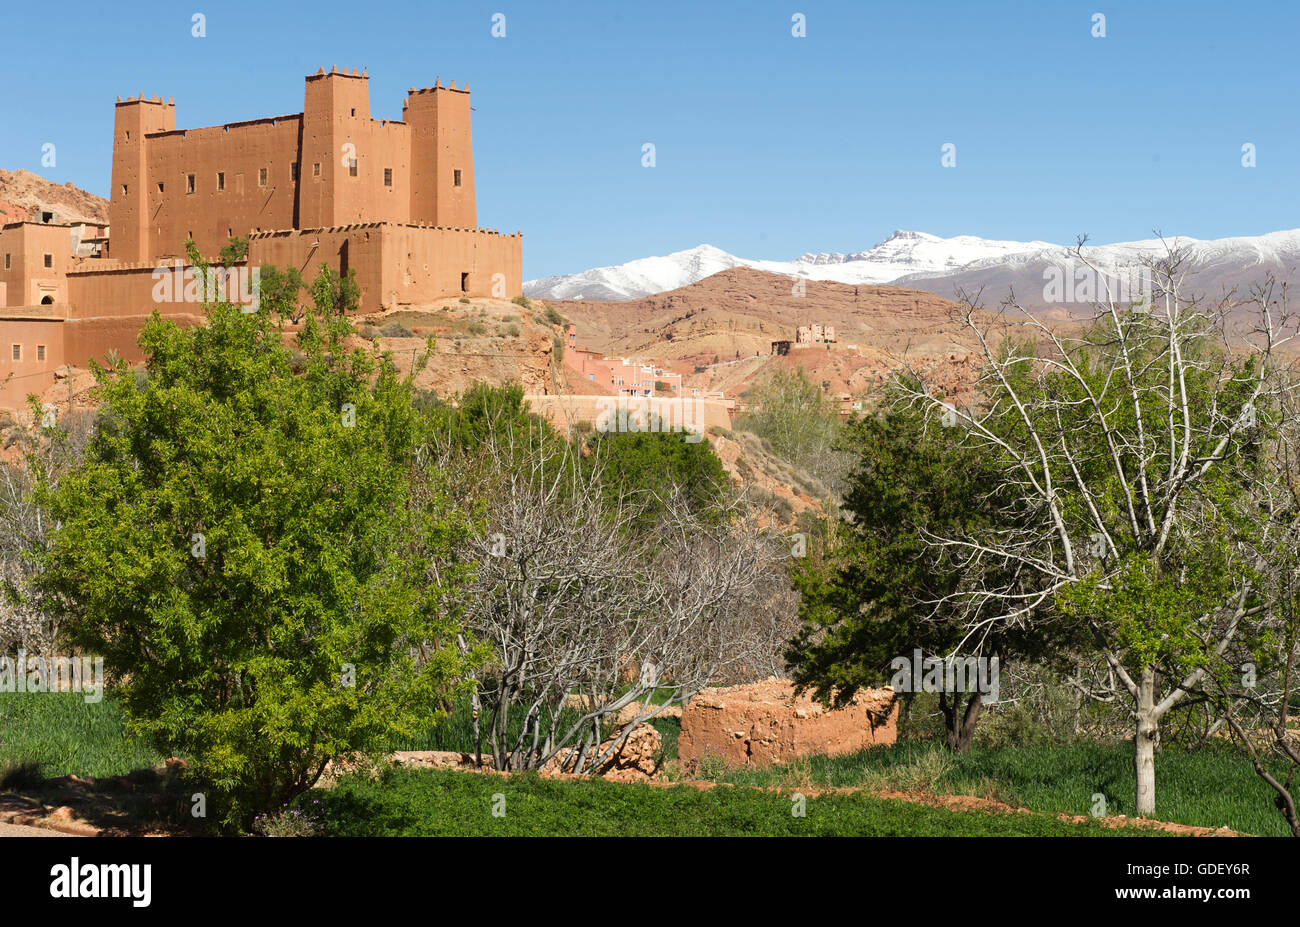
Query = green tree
x=638 y=467
x=800 y=421
x=872 y=591
x=242 y=545
x=1134 y=485
x=235 y=251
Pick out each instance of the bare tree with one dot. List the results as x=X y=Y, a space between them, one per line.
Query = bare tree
x=1132 y=445
x=587 y=613
x=44 y=451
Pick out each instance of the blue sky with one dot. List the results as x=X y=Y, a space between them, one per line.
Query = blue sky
x=766 y=145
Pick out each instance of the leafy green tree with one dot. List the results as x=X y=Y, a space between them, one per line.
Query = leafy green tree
x=243 y=547
x=1134 y=485
x=235 y=251
x=638 y=467
x=800 y=421
x=872 y=591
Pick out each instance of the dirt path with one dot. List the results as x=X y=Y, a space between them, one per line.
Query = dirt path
x=22 y=830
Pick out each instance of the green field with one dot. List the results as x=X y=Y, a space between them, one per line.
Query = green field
x=58 y=734
x=1208 y=788
x=422 y=802
x=62 y=734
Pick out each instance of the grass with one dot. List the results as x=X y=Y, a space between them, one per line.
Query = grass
x=423 y=802
x=59 y=733
x=1208 y=788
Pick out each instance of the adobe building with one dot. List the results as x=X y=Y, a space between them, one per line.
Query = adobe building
x=392 y=200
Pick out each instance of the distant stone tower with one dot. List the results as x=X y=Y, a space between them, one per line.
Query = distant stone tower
x=128 y=212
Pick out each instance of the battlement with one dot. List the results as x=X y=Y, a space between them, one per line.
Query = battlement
x=437 y=85
x=155 y=100
x=335 y=72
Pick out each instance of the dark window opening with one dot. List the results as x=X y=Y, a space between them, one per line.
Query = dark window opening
x=7 y=260
x=18 y=352
x=45 y=301
x=47 y=217
x=221 y=180
x=352 y=167
x=40 y=348
x=315 y=169
x=455 y=178
x=261 y=177
x=160 y=186
x=124 y=189
x=293 y=172
x=464 y=283
x=49 y=260
x=388 y=177
x=189 y=183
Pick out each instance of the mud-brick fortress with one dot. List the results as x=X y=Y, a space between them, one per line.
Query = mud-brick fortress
x=392 y=200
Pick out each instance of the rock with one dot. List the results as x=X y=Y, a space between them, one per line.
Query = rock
x=763 y=723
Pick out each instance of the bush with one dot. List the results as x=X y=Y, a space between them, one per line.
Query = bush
x=511 y=330
x=521 y=301
x=396 y=330
x=245 y=548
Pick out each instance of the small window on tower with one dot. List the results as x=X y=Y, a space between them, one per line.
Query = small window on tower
x=18 y=352
x=8 y=259
x=221 y=180
x=124 y=189
x=315 y=169
x=160 y=186
x=293 y=172
x=352 y=167
x=354 y=111
x=261 y=177
x=40 y=352
x=49 y=260
x=455 y=178
x=189 y=183
x=388 y=177
x=464 y=283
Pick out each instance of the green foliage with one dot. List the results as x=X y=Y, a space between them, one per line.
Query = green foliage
x=235 y=251
x=333 y=294
x=1207 y=788
x=61 y=734
x=240 y=538
x=641 y=466
x=869 y=587
x=279 y=290
x=425 y=802
x=522 y=300
x=800 y=422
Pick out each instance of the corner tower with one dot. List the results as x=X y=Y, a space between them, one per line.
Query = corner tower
x=442 y=156
x=128 y=204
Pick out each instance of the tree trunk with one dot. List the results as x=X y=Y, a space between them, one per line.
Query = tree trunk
x=1144 y=759
x=960 y=725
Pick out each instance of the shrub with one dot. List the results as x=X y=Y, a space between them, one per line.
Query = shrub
x=521 y=301
x=251 y=561
x=396 y=330
x=511 y=330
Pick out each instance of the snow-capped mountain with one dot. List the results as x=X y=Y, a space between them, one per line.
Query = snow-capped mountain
x=938 y=265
